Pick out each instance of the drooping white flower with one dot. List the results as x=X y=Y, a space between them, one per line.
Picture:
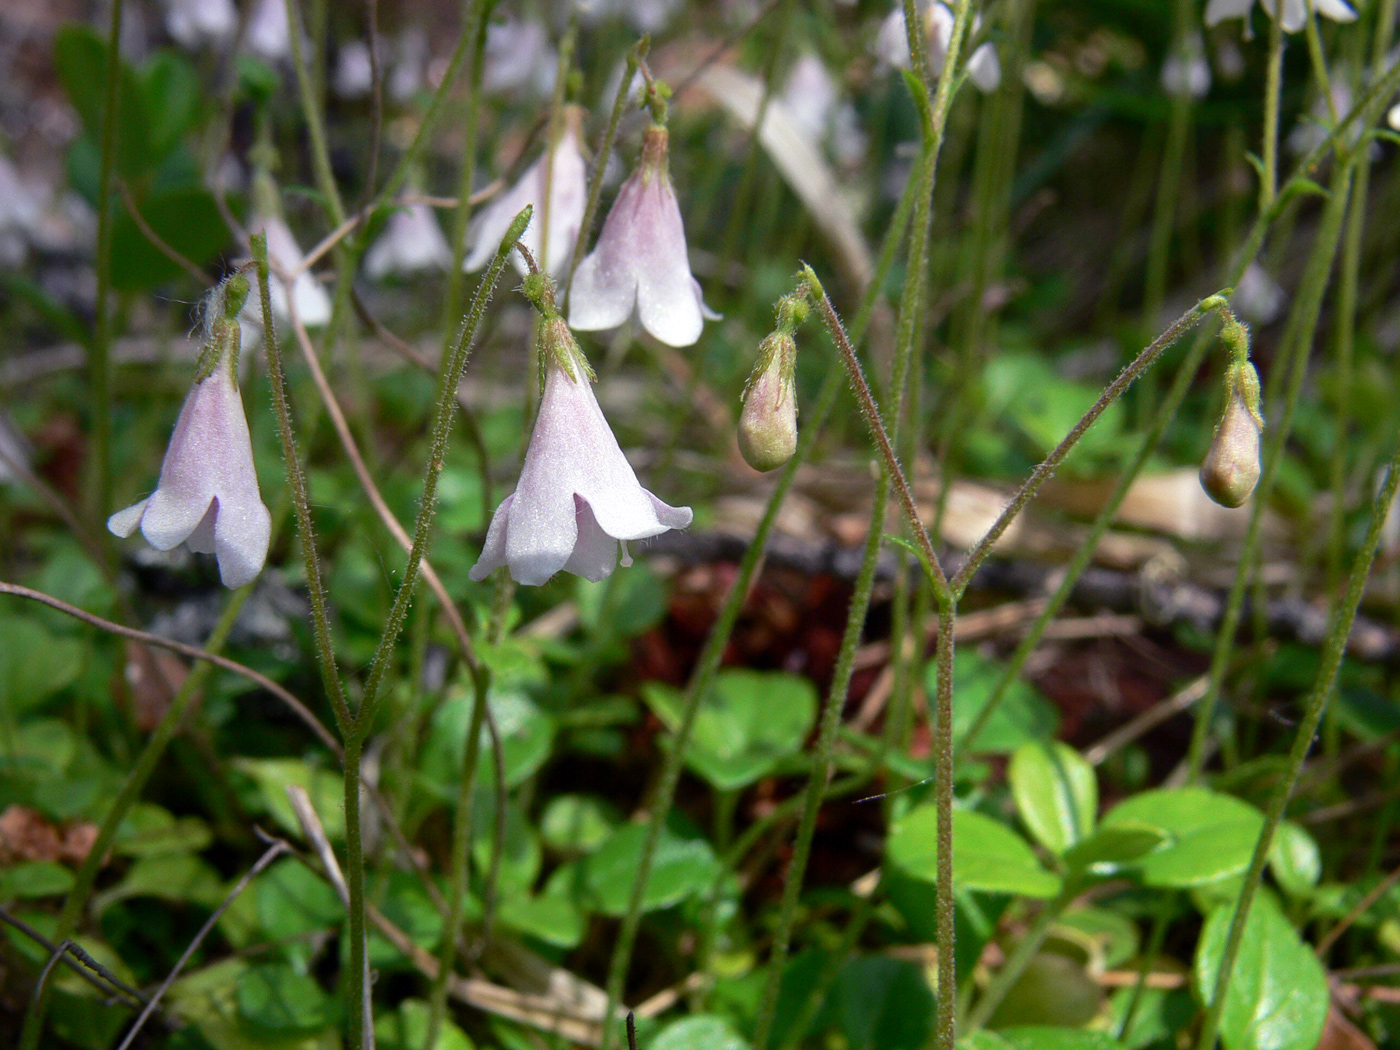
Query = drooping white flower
x=639 y=262
x=814 y=102
x=519 y=58
x=1258 y=297
x=268 y=34
x=578 y=501
x=313 y=304
x=562 y=168
x=412 y=241
x=354 y=70
x=193 y=23
x=1295 y=14
x=208 y=497
x=1186 y=71
x=892 y=43
x=410 y=61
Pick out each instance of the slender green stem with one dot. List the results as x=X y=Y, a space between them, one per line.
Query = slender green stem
x=1319 y=63
x=437 y=455
x=824 y=764
x=135 y=783
x=718 y=639
x=1020 y=957
x=461 y=853
x=946 y=1035
x=315 y=125
x=435 y=105
x=1293 y=363
x=359 y=1012
x=301 y=502
x=99 y=360
x=1273 y=92
x=635 y=55
x=1051 y=463
x=1342 y=620
x=1166 y=904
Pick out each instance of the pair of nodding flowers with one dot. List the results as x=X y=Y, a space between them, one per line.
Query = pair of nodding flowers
x=577 y=502
x=639 y=265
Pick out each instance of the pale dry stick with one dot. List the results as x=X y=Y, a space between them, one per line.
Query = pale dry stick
x=77 y=960
x=1154 y=716
x=274 y=850
x=1362 y=906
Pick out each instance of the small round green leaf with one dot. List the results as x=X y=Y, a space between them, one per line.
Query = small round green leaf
x=680 y=868
x=987 y=855
x=1056 y=793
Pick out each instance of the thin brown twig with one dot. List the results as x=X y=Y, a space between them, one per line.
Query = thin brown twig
x=157 y=242
x=1361 y=908
x=274 y=850
x=77 y=960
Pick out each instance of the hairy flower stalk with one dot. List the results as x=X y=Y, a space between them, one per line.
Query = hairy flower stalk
x=1231 y=467
x=557 y=186
x=208 y=496
x=640 y=263
x=768 y=422
x=578 y=500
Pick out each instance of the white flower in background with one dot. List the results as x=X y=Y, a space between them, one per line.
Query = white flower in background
x=1258 y=297
x=562 y=167
x=1295 y=14
x=23 y=204
x=208 y=497
x=268 y=34
x=1186 y=71
x=578 y=501
x=410 y=62
x=519 y=58
x=354 y=71
x=192 y=23
x=892 y=43
x=412 y=241
x=813 y=100
x=639 y=263
x=313 y=304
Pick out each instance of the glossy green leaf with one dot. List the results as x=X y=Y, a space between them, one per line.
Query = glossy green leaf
x=407 y=1029
x=1054 y=990
x=1039 y=1037
x=628 y=603
x=149 y=830
x=577 y=823
x=1023 y=714
x=879 y=1003
x=549 y=917
x=185 y=218
x=746 y=725
x=170 y=92
x=1056 y=793
x=80 y=57
x=701 y=1032
x=1210 y=835
x=1112 y=848
x=278 y=998
x=1295 y=860
x=35 y=663
x=1277 y=998
x=34 y=878
x=987 y=855
x=680 y=868
x=175 y=877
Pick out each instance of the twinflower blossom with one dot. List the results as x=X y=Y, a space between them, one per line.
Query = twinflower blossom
x=578 y=501
x=1295 y=12
x=561 y=170
x=194 y=22
x=639 y=261
x=892 y=43
x=268 y=34
x=412 y=241
x=1186 y=71
x=207 y=497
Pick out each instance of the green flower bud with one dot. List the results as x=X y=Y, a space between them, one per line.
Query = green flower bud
x=1231 y=467
x=768 y=422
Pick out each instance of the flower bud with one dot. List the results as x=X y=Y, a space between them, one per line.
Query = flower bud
x=1231 y=467
x=768 y=422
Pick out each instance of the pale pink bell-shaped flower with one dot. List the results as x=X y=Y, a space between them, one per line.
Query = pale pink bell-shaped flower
x=1295 y=12
x=207 y=497
x=578 y=499
x=562 y=168
x=639 y=261
x=412 y=241
x=313 y=304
